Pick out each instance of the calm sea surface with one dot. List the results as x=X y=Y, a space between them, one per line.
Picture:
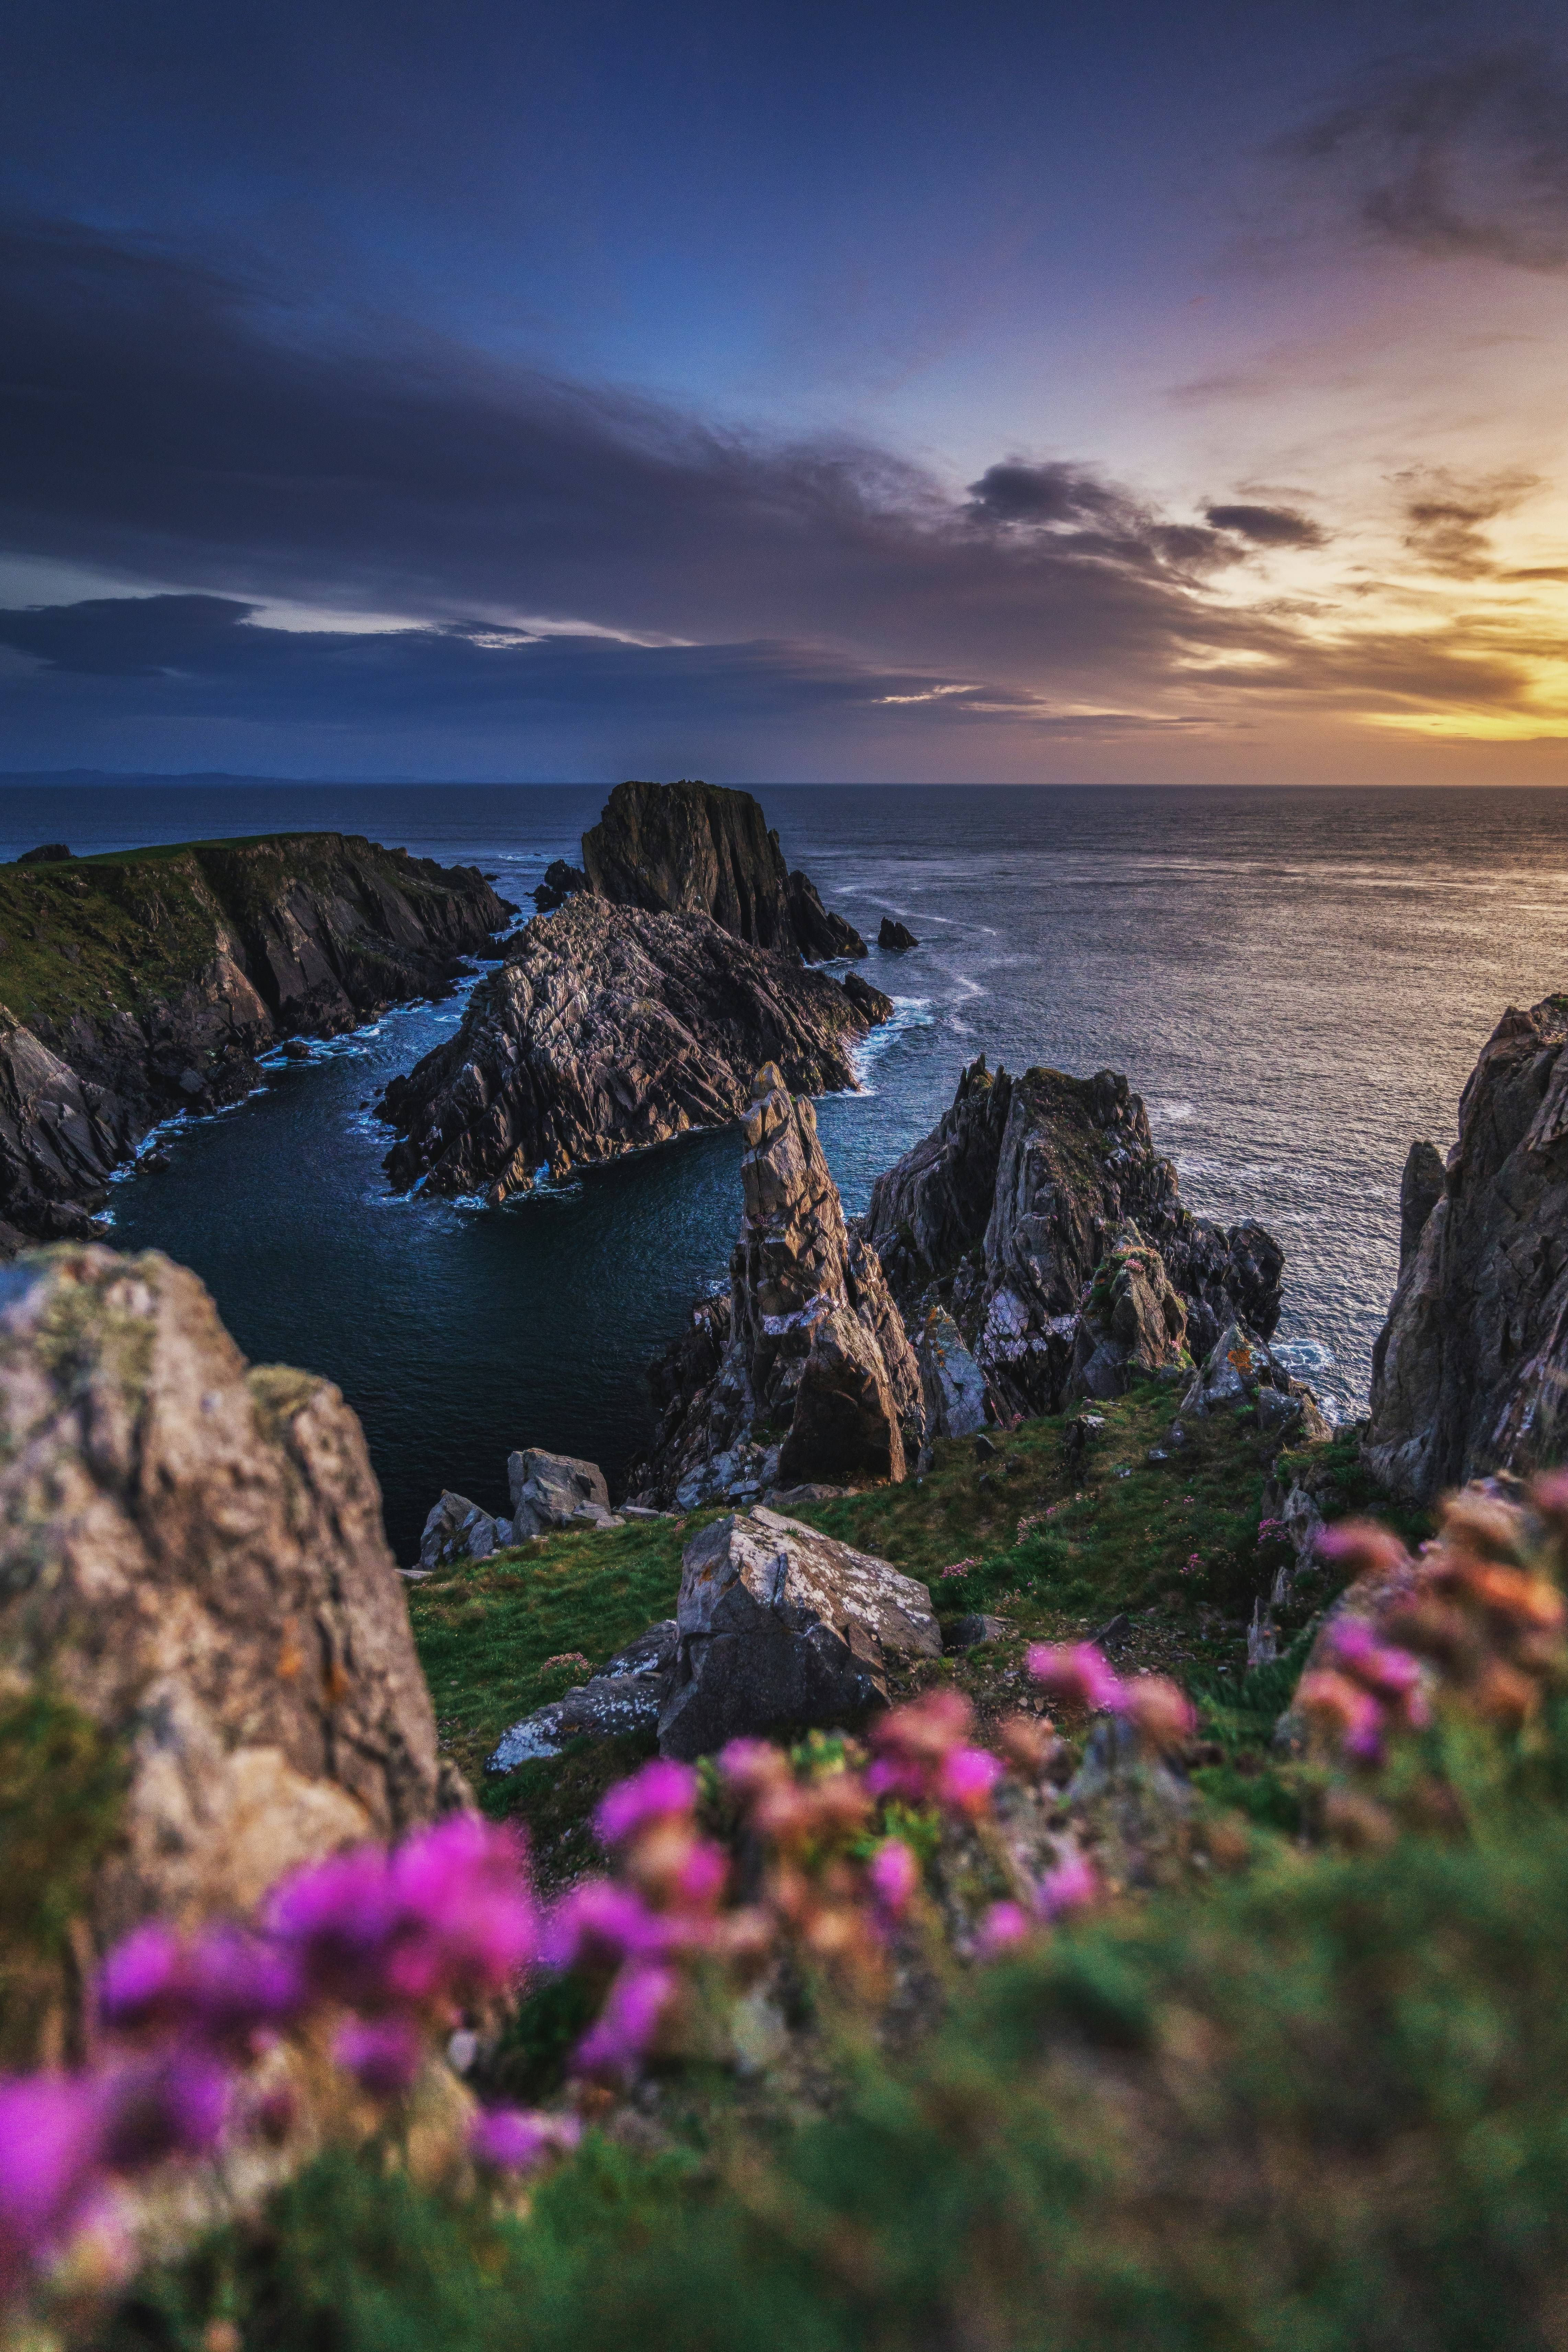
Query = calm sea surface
x=1297 y=982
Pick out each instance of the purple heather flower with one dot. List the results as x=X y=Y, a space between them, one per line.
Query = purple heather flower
x=1075 y=1672
x=628 y=2021
x=599 y=1925
x=965 y=1779
x=337 y=1917
x=657 y=1792
x=1003 y=1925
x=174 y=2105
x=465 y=1922
x=512 y=2140
x=383 y=2054
x=243 y=1985
x=1069 y=1887
x=894 y=1875
x=51 y=2129
x=145 y=1982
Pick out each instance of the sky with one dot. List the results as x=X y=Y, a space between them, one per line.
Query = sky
x=1139 y=392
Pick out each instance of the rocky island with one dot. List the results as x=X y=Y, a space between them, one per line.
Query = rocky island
x=637 y=1004
x=143 y=984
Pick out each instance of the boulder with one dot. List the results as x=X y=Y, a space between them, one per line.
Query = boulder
x=952 y=1384
x=606 y=1029
x=458 y=1529
x=552 y=1490
x=1470 y=1373
x=625 y=1695
x=1241 y=1375
x=192 y=1557
x=868 y=1001
x=561 y=882
x=782 y=1627
x=971 y=1633
x=1133 y=1323
x=894 y=937
x=820 y=936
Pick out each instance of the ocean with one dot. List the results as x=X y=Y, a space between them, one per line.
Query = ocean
x=1297 y=982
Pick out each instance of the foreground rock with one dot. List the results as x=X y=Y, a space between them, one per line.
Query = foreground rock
x=191 y=1556
x=608 y=1029
x=133 y=988
x=701 y=849
x=780 y=1626
x=813 y=1377
x=1004 y=1213
x=1471 y=1371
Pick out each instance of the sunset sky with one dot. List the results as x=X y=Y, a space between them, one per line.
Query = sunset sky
x=1135 y=392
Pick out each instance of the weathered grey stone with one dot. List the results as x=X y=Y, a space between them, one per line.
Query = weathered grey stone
x=1132 y=1323
x=624 y=1696
x=780 y=1625
x=457 y=1529
x=1241 y=1374
x=549 y=1490
x=1471 y=1371
x=973 y=1632
x=192 y=1554
x=951 y=1382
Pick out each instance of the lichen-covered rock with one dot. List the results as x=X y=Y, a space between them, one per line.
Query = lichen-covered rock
x=1133 y=1321
x=625 y=1695
x=1471 y=1371
x=607 y=1029
x=457 y=1529
x=781 y=1626
x=553 y=1490
x=815 y=1359
x=1241 y=1375
x=951 y=1382
x=191 y=1556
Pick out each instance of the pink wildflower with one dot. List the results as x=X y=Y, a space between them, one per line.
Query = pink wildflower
x=894 y=1875
x=659 y=1792
x=629 y=2020
x=464 y=1925
x=1076 y=1673
x=384 y=2054
x=964 y=1780
x=512 y=2139
x=1159 y=1708
x=50 y=2143
x=598 y=1925
x=337 y=1917
x=1362 y=1549
x=154 y=2108
x=1069 y=1887
x=145 y=1982
x=1005 y=1925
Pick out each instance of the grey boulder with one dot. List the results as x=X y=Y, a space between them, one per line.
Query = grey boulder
x=457 y=1529
x=1240 y=1374
x=624 y=1696
x=780 y=1626
x=952 y=1384
x=550 y=1490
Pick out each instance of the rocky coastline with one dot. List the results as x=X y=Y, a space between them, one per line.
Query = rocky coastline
x=137 y=986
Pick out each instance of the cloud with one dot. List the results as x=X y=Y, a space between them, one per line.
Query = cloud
x=1446 y=520
x=1268 y=526
x=1464 y=157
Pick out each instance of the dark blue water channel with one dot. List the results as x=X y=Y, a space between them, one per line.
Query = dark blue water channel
x=1298 y=982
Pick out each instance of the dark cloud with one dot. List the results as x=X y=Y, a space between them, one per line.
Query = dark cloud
x=161 y=421
x=1268 y=526
x=1468 y=156
x=1446 y=520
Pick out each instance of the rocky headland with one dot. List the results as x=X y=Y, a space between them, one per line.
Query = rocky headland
x=135 y=986
x=1470 y=1370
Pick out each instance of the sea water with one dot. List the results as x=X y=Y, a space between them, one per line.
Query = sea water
x=1297 y=982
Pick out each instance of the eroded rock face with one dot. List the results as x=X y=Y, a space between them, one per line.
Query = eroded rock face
x=190 y=1553
x=816 y=1366
x=819 y=935
x=952 y=1384
x=781 y=1626
x=1471 y=1371
x=1004 y=1211
x=553 y=1490
x=1420 y=1189
x=457 y=1529
x=870 y=1002
x=61 y=1138
x=692 y=849
x=608 y=1029
x=1133 y=1322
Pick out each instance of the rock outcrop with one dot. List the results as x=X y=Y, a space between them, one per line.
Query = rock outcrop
x=192 y=1558
x=1006 y=1211
x=895 y=937
x=1132 y=1324
x=701 y=849
x=606 y=1029
x=813 y=1364
x=555 y=1490
x=561 y=882
x=1241 y=1375
x=779 y=1625
x=952 y=1386
x=457 y=1529
x=1471 y=1371
x=134 y=987
x=625 y=1695
x=872 y=1005
x=1420 y=1189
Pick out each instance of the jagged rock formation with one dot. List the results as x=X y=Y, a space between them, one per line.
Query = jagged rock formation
x=1004 y=1212
x=1471 y=1371
x=869 y=1003
x=607 y=1029
x=1420 y=1189
x=701 y=849
x=814 y=1378
x=457 y=1529
x=896 y=937
x=560 y=880
x=134 y=987
x=819 y=935
x=1241 y=1374
x=779 y=1625
x=952 y=1386
x=192 y=1557
x=1132 y=1323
